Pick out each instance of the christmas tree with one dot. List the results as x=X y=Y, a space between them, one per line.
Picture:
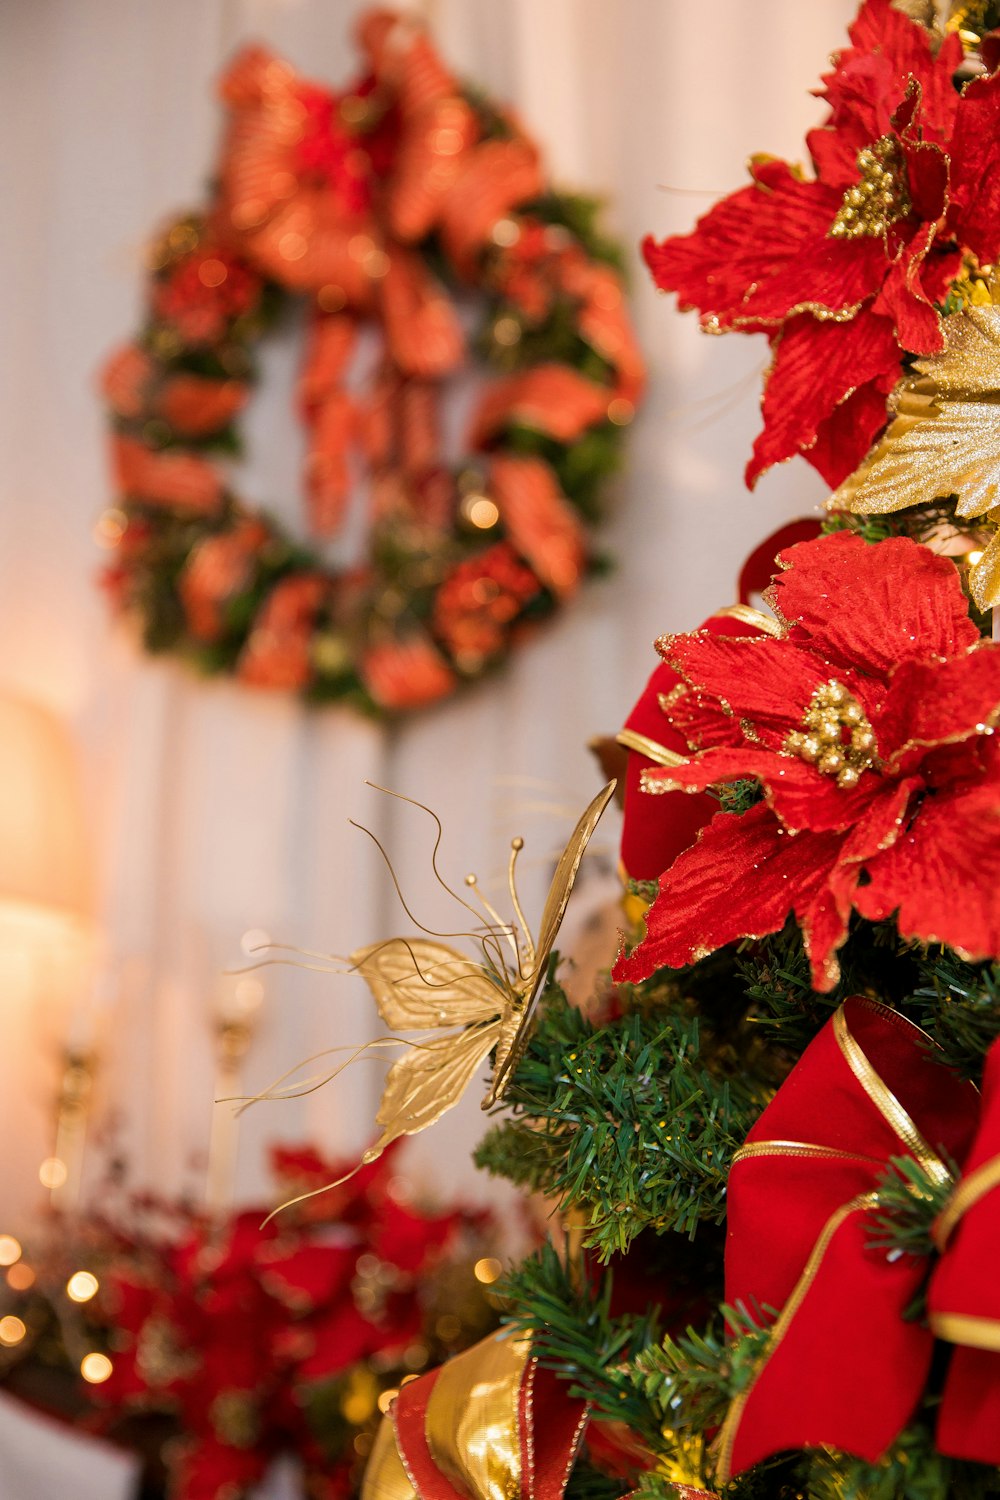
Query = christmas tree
x=774 y=1139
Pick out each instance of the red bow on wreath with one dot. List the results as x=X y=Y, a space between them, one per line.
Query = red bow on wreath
x=844 y=1365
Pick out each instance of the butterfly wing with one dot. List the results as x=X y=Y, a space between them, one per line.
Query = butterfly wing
x=430 y=1080
x=417 y=983
x=514 y=1026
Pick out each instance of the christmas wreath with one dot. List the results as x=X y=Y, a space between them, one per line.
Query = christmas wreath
x=412 y=214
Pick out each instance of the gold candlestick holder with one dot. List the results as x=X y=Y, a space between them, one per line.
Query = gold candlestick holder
x=235 y=1024
x=62 y=1172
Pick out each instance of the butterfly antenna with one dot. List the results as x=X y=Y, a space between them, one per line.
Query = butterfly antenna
x=516 y=845
x=305 y=952
x=287 y=963
x=444 y=962
x=455 y=895
x=310 y=1085
x=430 y=931
x=503 y=929
x=314 y=1193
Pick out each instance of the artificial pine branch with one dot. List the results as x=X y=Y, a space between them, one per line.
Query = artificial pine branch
x=567 y=1312
x=913 y=1469
x=691 y=1379
x=958 y=1003
x=633 y=1123
x=909 y=1200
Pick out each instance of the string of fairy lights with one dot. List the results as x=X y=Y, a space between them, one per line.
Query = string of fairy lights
x=73 y=1291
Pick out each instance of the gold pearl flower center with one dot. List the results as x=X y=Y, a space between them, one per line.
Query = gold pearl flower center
x=836 y=735
x=880 y=198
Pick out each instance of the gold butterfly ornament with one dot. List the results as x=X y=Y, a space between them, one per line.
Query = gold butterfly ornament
x=468 y=1007
x=462 y=1008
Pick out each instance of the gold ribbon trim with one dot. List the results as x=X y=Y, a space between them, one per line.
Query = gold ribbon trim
x=968 y=1193
x=800 y=1148
x=472 y=1429
x=633 y=740
x=966 y=1328
x=747 y=615
x=385 y=1475
x=727 y=1432
x=886 y=1102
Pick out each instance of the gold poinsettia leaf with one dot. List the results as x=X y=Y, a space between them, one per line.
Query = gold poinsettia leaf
x=944 y=438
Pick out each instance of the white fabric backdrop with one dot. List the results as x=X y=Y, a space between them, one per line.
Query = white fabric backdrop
x=214 y=809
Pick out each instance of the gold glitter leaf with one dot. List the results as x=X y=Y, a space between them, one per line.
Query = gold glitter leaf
x=944 y=438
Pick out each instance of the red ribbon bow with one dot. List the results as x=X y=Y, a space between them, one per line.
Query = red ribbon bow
x=843 y=1366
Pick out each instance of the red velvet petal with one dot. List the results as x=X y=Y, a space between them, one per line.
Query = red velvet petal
x=767 y=681
x=975 y=170
x=903 y=47
x=844 y=438
x=881 y=822
x=741 y=879
x=869 y=82
x=818 y=365
x=926 y=177
x=916 y=321
x=763 y=251
x=801 y=797
x=937 y=703
x=940 y=875
x=825 y=275
x=873 y=607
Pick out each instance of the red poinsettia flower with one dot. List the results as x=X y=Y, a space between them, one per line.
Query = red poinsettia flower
x=230 y=1325
x=867 y=717
x=842 y=270
x=201 y=293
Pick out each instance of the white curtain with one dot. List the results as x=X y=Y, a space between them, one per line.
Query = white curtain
x=214 y=808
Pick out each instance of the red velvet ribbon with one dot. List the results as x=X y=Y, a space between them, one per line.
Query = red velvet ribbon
x=844 y=1367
